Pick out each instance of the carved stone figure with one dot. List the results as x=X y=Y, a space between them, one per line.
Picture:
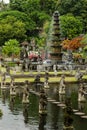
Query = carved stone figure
x=62 y=85
x=81 y=93
x=25 y=95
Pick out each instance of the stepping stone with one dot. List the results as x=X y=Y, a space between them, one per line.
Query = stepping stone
x=50 y=100
x=61 y=105
x=56 y=102
x=79 y=113
x=84 y=117
x=74 y=110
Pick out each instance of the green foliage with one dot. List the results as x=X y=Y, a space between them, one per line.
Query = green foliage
x=84 y=42
x=71 y=6
x=29 y=24
x=34 y=13
x=70 y=26
x=31 y=6
x=11 y=64
x=76 y=7
x=48 y=6
x=11 y=28
x=40 y=41
x=16 y=4
x=39 y=17
x=11 y=47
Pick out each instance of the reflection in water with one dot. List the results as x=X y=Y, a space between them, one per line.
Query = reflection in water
x=25 y=112
x=12 y=102
x=68 y=112
x=62 y=98
x=3 y=95
x=42 y=121
x=26 y=117
x=81 y=106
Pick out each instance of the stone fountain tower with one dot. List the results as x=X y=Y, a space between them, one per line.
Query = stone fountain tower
x=55 y=45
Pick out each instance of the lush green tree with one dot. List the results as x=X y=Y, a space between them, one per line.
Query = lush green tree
x=76 y=7
x=35 y=16
x=71 y=6
x=70 y=26
x=39 y=17
x=11 y=47
x=49 y=6
x=28 y=6
x=11 y=28
x=17 y=5
x=29 y=24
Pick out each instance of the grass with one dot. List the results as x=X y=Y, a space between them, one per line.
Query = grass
x=51 y=79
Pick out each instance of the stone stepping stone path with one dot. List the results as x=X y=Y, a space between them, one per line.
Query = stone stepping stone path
x=84 y=117
x=51 y=100
x=74 y=110
x=79 y=113
x=56 y=102
x=48 y=98
x=61 y=105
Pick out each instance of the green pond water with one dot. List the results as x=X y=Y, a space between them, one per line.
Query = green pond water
x=17 y=116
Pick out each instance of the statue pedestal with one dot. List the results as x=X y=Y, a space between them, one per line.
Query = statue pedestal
x=68 y=128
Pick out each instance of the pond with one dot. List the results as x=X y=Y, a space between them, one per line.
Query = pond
x=17 y=116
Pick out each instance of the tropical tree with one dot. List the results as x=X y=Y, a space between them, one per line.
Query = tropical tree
x=17 y=5
x=11 y=28
x=70 y=26
x=49 y=6
x=11 y=48
x=29 y=6
x=29 y=24
x=75 y=7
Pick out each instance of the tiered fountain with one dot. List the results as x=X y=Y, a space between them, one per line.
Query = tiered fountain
x=55 y=46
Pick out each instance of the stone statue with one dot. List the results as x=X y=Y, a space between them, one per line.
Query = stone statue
x=62 y=85
x=12 y=90
x=79 y=75
x=46 y=85
x=81 y=93
x=25 y=95
x=37 y=82
x=46 y=75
